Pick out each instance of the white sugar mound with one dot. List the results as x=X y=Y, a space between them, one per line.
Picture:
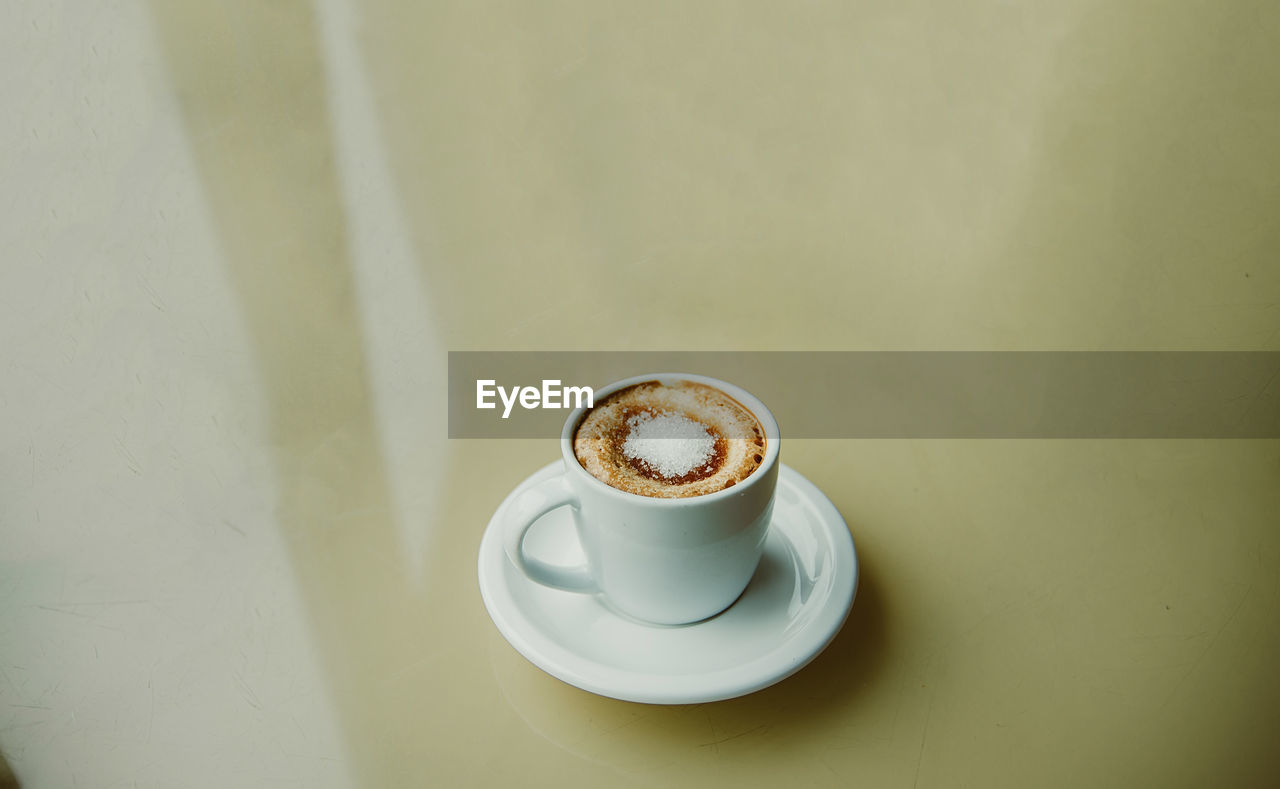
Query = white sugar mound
x=670 y=444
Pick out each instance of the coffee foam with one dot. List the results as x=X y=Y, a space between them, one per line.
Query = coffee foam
x=669 y=440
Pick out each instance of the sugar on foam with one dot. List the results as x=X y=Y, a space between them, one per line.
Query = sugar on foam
x=669 y=439
x=671 y=445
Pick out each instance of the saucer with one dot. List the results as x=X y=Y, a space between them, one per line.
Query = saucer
x=793 y=607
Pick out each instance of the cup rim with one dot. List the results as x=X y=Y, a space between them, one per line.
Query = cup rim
x=752 y=403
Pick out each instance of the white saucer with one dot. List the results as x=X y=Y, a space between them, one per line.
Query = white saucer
x=795 y=604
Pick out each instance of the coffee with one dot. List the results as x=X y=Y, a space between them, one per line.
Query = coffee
x=669 y=440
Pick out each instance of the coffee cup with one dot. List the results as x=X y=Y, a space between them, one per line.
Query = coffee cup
x=660 y=560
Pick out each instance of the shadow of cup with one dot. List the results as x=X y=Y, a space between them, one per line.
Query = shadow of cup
x=629 y=736
x=7 y=779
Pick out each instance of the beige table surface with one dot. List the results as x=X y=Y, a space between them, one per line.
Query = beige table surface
x=238 y=238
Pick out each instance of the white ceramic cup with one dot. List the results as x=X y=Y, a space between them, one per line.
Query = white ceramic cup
x=665 y=561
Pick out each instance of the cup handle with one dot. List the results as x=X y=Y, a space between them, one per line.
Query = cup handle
x=530 y=505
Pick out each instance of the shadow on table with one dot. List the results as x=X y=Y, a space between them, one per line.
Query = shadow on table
x=631 y=736
x=7 y=779
x=848 y=664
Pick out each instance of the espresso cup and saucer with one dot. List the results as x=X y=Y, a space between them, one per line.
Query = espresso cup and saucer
x=668 y=556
